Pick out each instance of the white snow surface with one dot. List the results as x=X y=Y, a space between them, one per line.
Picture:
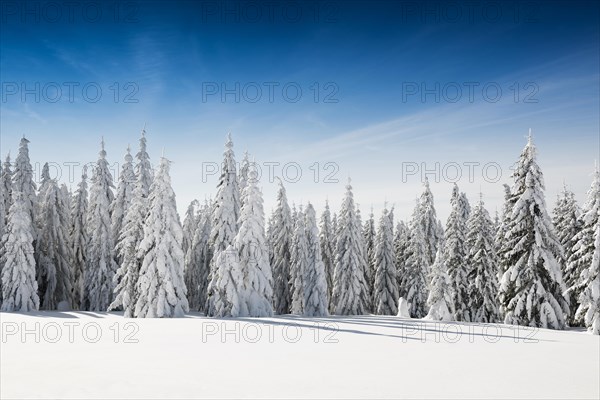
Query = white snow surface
x=289 y=357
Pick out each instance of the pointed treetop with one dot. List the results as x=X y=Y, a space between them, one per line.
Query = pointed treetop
x=128 y=157
x=144 y=130
x=8 y=157
x=84 y=175
x=102 y=151
x=229 y=142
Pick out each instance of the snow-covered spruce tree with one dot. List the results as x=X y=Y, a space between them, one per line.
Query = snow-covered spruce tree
x=44 y=180
x=160 y=287
x=482 y=263
x=251 y=247
x=350 y=288
x=369 y=235
x=386 y=284
x=190 y=224
x=589 y=297
x=327 y=246
x=123 y=197
x=79 y=238
x=413 y=282
x=583 y=244
x=53 y=249
x=567 y=223
x=22 y=181
x=228 y=298
x=281 y=241
x=100 y=264
x=316 y=296
x=430 y=225
x=532 y=287
x=401 y=243
x=3 y=215
x=440 y=300
x=19 y=286
x=503 y=227
x=6 y=178
x=368 y=276
x=224 y=227
x=455 y=254
x=299 y=263
x=197 y=261
x=143 y=168
x=132 y=233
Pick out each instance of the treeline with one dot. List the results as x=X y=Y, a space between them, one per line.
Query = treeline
x=124 y=248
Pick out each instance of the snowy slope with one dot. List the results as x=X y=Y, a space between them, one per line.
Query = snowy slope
x=288 y=357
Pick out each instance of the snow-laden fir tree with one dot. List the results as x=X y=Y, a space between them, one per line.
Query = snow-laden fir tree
x=455 y=254
x=132 y=233
x=224 y=227
x=316 y=295
x=583 y=244
x=567 y=224
x=44 y=180
x=6 y=183
x=22 y=181
x=386 y=284
x=401 y=243
x=299 y=263
x=243 y=280
x=349 y=285
x=589 y=297
x=369 y=235
x=327 y=246
x=532 y=287
x=53 y=248
x=143 y=168
x=100 y=265
x=123 y=196
x=2 y=217
x=160 y=287
x=197 y=261
x=79 y=238
x=430 y=226
x=413 y=282
x=482 y=263
x=190 y=223
x=281 y=257
x=19 y=285
x=440 y=300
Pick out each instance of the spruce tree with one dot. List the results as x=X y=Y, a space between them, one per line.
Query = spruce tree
x=281 y=234
x=350 y=287
x=430 y=226
x=53 y=249
x=224 y=227
x=369 y=235
x=22 y=182
x=316 y=296
x=582 y=252
x=79 y=238
x=532 y=287
x=589 y=297
x=299 y=263
x=401 y=243
x=123 y=197
x=386 y=284
x=568 y=225
x=143 y=168
x=482 y=261
x=367 y=296
x=132 y=233
x=197 y=261
x=160 y=287
x=19 y=285
x=243 y=177
x=413 y=282
x=503 y=227
x=455 y=254
x=327 y=246
x=100 y=265
x=440 y=300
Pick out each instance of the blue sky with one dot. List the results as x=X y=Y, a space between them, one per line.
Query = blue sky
x=367 y=63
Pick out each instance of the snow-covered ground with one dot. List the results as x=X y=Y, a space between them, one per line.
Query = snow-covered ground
x=103 y=355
